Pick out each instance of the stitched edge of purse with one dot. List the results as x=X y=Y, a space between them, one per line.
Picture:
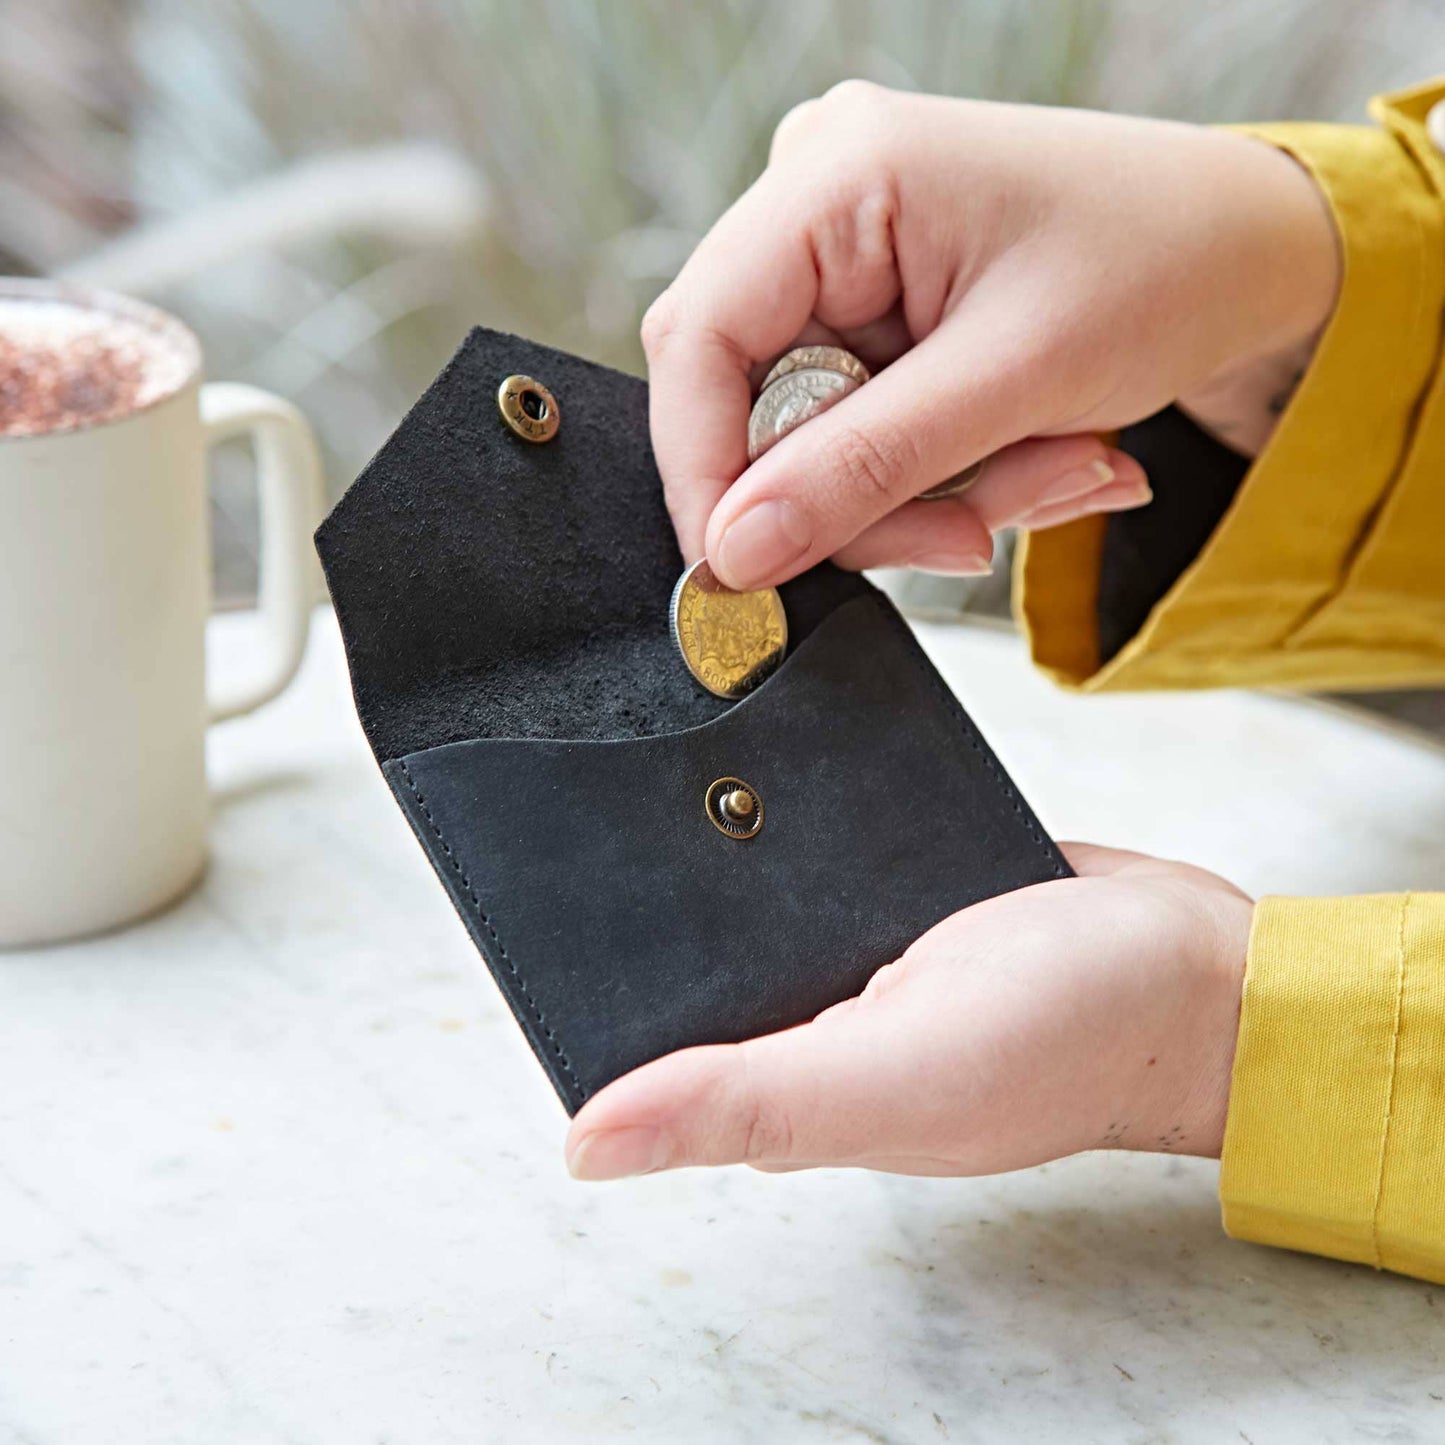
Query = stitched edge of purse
x=971 y=734
x=549 y=1033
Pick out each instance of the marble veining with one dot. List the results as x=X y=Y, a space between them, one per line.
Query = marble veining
x=276 y=1165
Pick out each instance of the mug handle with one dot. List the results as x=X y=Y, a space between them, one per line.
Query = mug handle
x=288 y=479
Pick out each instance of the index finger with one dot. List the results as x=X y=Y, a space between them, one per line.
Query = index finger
x=743 y=295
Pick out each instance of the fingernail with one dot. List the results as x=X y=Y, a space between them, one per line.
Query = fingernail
x=951 y=564
x=1077 y=483
x=760 y=544
x=1123 y=496
x=1116 y=497
x=618 y=1153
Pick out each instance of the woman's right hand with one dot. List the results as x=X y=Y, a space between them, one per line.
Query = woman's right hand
x=1018 y=278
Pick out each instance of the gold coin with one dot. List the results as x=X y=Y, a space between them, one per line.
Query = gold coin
x=830 y=358
x=729 y=640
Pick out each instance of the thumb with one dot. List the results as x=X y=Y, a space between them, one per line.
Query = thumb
x=968 y=389
x=1093 y=860
x=818 y=1091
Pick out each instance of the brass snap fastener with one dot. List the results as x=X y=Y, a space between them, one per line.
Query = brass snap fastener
x=734 y=808
x=528 y=408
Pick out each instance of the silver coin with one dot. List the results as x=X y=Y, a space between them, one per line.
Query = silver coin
x=790 y=401
x=956 y=485
x=830 y=358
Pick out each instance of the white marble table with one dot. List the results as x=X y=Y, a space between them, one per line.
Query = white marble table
x=277 y=1166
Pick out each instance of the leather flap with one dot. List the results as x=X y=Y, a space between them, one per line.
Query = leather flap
x=491 y=587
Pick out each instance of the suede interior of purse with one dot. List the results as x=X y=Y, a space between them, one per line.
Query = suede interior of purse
x=560 y=630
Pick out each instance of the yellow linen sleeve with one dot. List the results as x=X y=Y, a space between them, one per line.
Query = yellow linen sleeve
x=1335 y=1141
x=1328 y=569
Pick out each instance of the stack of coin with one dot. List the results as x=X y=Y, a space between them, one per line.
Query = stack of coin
x=807 y=381
x=730 y=640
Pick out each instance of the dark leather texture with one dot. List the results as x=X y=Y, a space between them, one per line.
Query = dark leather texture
x=504 y=607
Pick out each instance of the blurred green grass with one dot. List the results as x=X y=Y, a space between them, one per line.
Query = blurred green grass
x=611 y=133
x=608 y=135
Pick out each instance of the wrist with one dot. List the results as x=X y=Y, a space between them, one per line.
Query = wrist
x=1217 y=1032
x=1291 y=283
x=1242 y=406
x=1176 y=1099
x=1291 y=250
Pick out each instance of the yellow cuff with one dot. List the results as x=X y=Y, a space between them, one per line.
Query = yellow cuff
x=1325 y=570
x=1335 y=1141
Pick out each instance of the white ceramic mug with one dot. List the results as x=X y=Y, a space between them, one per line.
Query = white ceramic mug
x=104 y=594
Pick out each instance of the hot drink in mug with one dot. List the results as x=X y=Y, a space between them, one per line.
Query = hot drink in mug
x=104 y=594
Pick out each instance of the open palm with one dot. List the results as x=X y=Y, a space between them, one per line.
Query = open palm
x=1090 y=1012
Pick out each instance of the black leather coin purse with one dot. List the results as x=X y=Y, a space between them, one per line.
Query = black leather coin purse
x=505 y=608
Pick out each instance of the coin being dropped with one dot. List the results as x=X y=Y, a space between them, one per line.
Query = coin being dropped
x=729 y=640
x=791 y=400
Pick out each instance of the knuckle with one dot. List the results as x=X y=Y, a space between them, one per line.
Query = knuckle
x=855 y=108
x=669 y=321
x=884 y=982
x=765 y=1131
x=768 y=1134
x=871 y=461
x=794 y=126
x=865 y=120
x=854 y=96
x=659 y=322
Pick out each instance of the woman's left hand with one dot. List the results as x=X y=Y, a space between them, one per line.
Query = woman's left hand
x=1093 y=1012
